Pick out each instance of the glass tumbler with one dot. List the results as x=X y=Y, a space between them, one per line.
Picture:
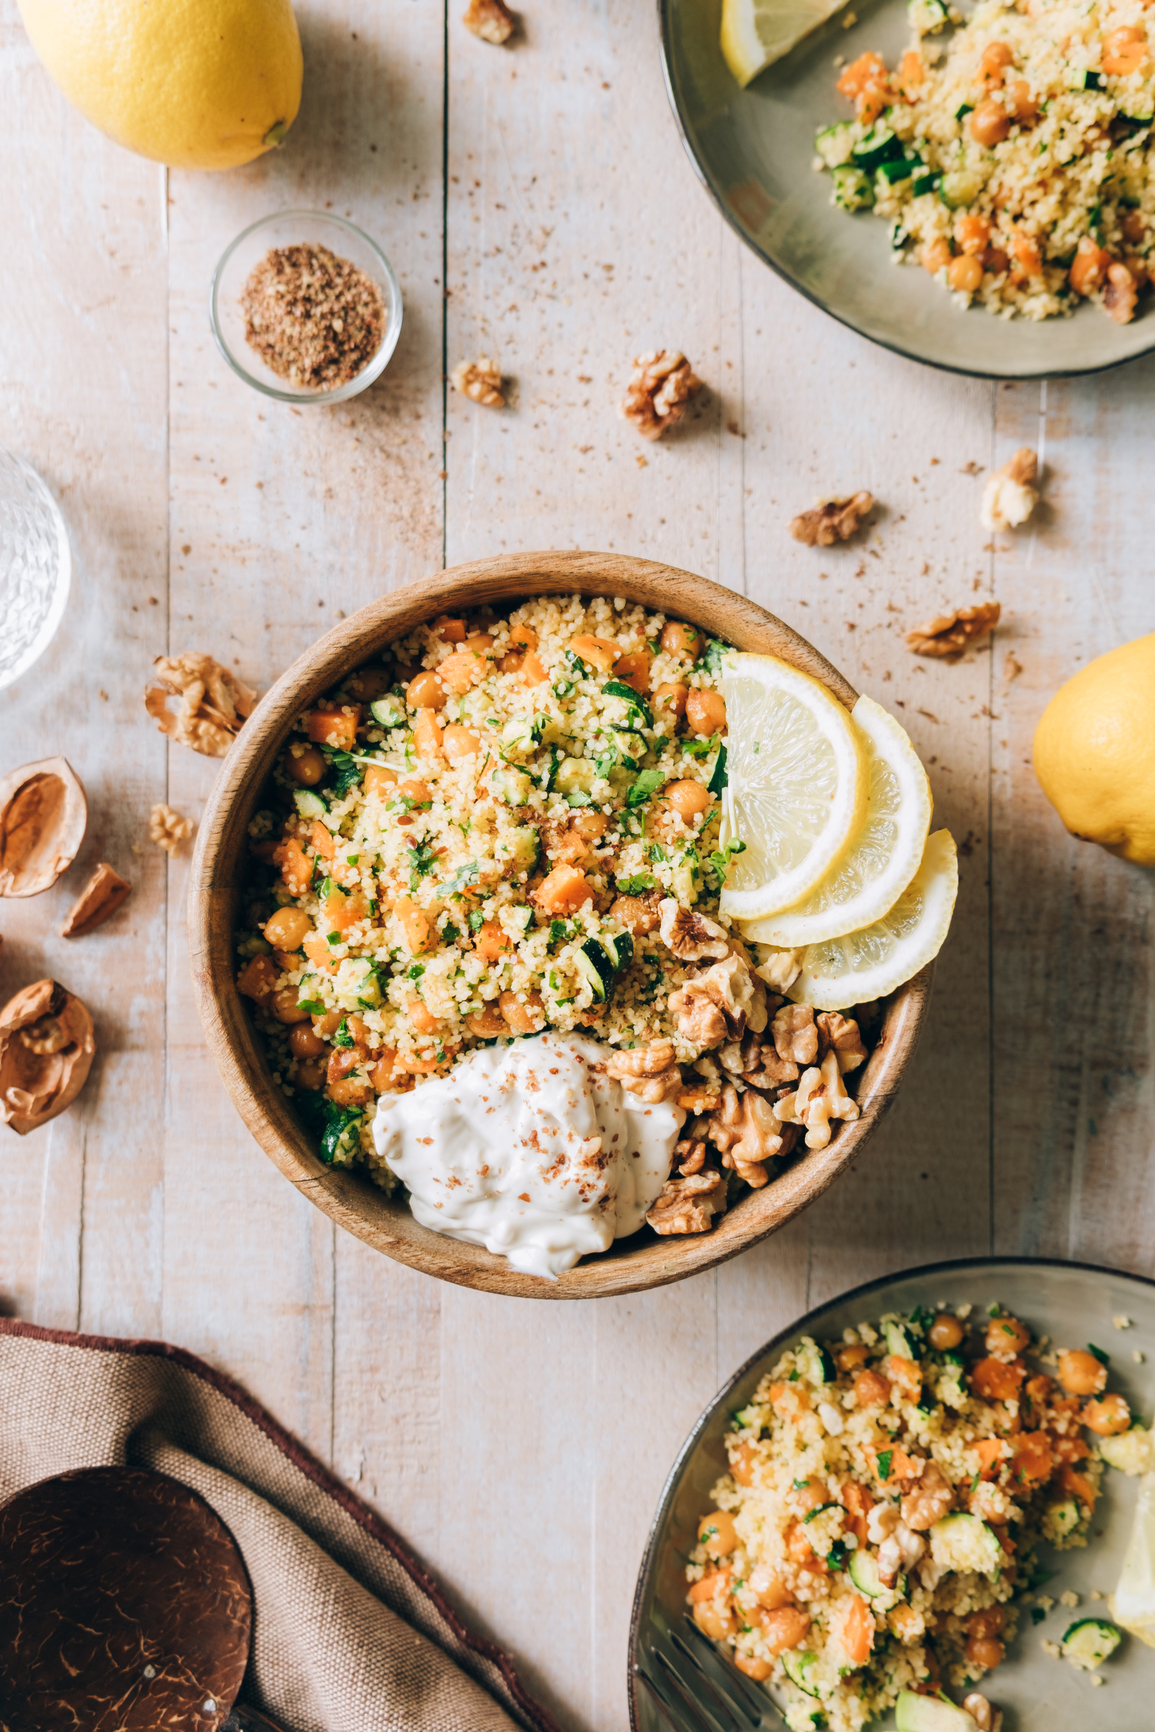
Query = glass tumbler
x=35 y=567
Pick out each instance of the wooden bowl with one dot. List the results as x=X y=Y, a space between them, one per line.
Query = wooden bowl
x=219 y=863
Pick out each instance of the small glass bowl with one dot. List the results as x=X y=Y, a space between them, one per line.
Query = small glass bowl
x=287 y=229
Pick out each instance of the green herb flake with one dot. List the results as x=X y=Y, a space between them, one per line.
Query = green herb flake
x=1103 y=1358
x=476 y=920
x=341 y=1035
x=885 y=1457
x=801 y=1484
x=645 y=785
x=635 y=885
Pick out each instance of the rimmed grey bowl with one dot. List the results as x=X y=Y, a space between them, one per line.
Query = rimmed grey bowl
x=753 y=151
x=1073 y=1303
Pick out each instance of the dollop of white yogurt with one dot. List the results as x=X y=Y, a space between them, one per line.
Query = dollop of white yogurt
x=530 y=1150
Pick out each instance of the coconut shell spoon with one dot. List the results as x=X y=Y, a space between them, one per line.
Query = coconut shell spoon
x=125 y=1606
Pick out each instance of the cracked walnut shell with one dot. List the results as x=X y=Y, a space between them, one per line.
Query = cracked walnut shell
x=43 y=817
x=47 y=1045
x=832 y=520
x=949 y=634
x=659 y=391
x=100 y=898
x=491 y=20
x=479 y=380
x=213 y=707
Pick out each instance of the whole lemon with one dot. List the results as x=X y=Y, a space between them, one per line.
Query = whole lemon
x=1095 y=752
x=192 y=83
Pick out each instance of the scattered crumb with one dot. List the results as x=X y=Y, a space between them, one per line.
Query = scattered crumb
x=1096 y=1595
x=1051 y=1648
x=832 y=519
x=963 y=1311
x=490 y=19
x=1011 y=495
x=1012 y=667
x=850 y=20
x=642 y=462
x=659 y=391
x=1123 y=1322
x=168 y=829
x=949 y=634
x=1046 y=1602
x=1139 y=1357
x=104 y=695
x=1097 y=1678
x=480 y=381
x=971 y=469
x=1068 y=1597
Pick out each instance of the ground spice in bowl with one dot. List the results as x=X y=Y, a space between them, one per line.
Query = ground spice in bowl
x=313 y=318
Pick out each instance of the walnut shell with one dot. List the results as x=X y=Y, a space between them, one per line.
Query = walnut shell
x=47 y=1046
x=101 y=897
x=43 y=816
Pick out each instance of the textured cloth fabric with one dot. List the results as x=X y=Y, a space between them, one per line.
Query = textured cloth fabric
x=350 y=1633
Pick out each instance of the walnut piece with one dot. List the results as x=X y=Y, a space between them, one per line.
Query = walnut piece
x=780 y=968
x=648 y=1072
x=1120 y=292
x=492 y=21
x=795 y=1033
x=689 y=1204
x=985 y=1716
x=47 y=1045
x=101 y=896
x=213 y=704
x=479 y=380
x=757 y=1062
x=818 y=1100
x=659 y=390
x=689 y=1156
x=1011 y=494
x=691 y=936
x=168 y=829
x=839 y=1034
x=929 y=1501
x=719 y=1004
x=832 y=520
x=949 y=634
x=746 y=1131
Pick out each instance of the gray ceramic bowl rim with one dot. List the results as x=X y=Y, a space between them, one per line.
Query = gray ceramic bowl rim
x=373 y=368
x=664 y=8
x=924 y=1271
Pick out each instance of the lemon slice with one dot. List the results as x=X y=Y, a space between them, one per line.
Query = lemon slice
x=756 y=33
x=884 y=856
x=1133 y=1602
x=870 y=963
x=797 y=788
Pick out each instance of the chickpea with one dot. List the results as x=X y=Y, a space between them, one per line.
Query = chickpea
x=1124 y=51
x=288 y=928
x=774 y=1595
x=997 y=56
x=988 y=1622
x=383 y=1074
x=714 y=1620
x=989 y=123
x=687 y=798
x=985 y=1651
x=1081 y=1373
x=849 y=1357
x=426 y=692
x=718 y=1533
x=635 y=915
x=422 y=1017
x=945 y=1332
x=284 y=1006
x=328 y=1022
x=415 y=791
x=524 y=1016
x=785 y=1628
x=1134 y=226
x=487 y=1023
x=681 y=640
x=1107 y=1416
x=450 y=630
x=935 y=256
x=304 y=1041
x=634 y=670
x=309 y=1076
x=1006 y=1336
x=972 y=233
x=706 y=712
x=480 y=642
x=871 y=1390
x=491 y=941
x=995 y=261
x=350 y=1091
x=460 y=743
x=306 y=767
x=965 y=273
x=367 y=684
x=753 y=1667
x=670 y=700
x=1023 y=105
x=379 y=779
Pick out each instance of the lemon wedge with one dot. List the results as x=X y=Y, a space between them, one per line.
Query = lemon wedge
x=869 y=963
x=756 y=33
x=884 y=856
x=797 y=784
x=1133 y=1602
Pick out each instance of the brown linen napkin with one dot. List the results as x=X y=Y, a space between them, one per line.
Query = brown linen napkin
x=351 y=1634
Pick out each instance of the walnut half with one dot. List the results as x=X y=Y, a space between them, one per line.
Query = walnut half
x=480 y=381
x=648 y=1072
x=691 y=936
x=746 y=1131
x=659 y=390
x=949 y=634
x=213 y=705
x=832 y=520
x=818 y=1100
x=689 y=1203
x=719 y=1004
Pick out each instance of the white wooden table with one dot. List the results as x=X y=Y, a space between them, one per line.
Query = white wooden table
x=537 y=206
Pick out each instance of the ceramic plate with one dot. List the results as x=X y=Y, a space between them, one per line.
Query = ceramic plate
x=1070 y=1302
x=754 y=148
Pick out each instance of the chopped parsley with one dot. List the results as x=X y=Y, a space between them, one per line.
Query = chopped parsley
x=715 y=650
x=341 y=1035
x=422 y=861
x=885 y=1457
x=476 y=920
x=718 y=861
x=461 y=879
x=1103 y=1358
x=415 y=973
x=645 y=784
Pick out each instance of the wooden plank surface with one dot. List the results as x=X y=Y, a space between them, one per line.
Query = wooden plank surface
x=520 y=1448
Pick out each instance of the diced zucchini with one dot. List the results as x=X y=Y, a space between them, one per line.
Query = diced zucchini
x=512 y=786
x=963 y=1542
x=1131 y=1451
x=864 y=1574
x=1089 y=1642
x=963 y=109
x=1080 y=79
x=575 y=776
x=596 y=969
x=800 y=1669
x=926 y=16
x=521 y=734
x=815 y=1364
x=914 y=1713
x=900 y=168
x=308 y=804
x=834 y=144
x=897 y=1340
x=959 y=187
x=925 y=181
x=852 y=189
x=619 y=948
x=880 y=145
x=389 y=711
x=1061 y=1519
